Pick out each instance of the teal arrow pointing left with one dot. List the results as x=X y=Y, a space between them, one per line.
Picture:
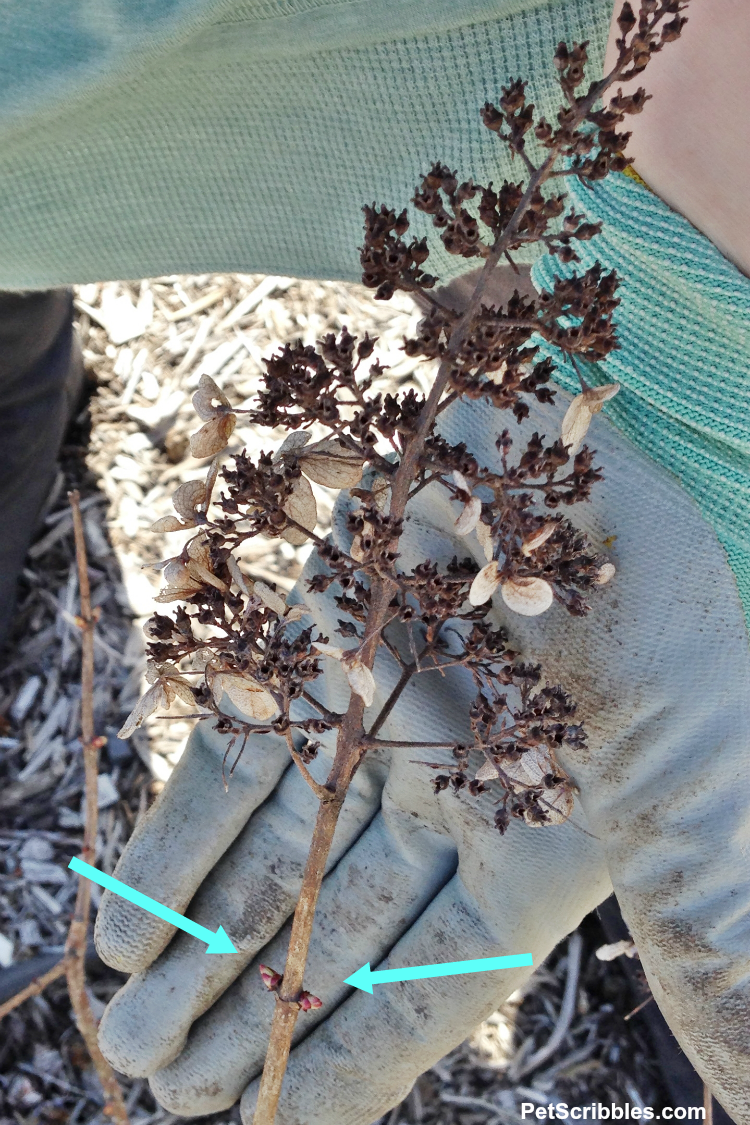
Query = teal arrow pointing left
x=217 y=942
x=365 y=978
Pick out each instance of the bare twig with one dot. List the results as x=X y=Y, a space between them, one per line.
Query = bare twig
x=72 y=964
x=36 y=987
x=75 y=946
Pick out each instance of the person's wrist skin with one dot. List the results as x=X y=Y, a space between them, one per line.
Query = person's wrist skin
x=691 y=143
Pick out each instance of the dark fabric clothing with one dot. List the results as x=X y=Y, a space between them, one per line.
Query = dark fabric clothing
x=40 y=378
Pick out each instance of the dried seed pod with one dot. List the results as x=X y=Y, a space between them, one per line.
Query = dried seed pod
x=469 y=517
x=527 y=596
x=537 y=538
x=605 y=574
x=301 y=508
x=246 y=694
x=333 y=465
x=484 y=584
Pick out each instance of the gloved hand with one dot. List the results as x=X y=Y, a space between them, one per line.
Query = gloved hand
x=661 y=671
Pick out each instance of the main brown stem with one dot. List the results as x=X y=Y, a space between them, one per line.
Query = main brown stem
x=350 y=743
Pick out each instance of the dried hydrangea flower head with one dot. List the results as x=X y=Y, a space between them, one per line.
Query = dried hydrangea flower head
x=244 y=645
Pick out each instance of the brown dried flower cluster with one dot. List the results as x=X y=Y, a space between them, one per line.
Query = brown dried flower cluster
x=234 y=641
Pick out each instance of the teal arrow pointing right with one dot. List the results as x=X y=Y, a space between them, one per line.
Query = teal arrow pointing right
x=365 y=978
x=217 y=942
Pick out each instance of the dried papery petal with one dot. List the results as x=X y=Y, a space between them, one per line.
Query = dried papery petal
x=333 y=465
x=199 y=550
x=300 y=507
x=170 y=523
x=527 y=596
x=580 y=412
x=333 y=651
x=487 y=772
x=497 y=377
x=175 y=594
x=297 y=612
x=484 y=535
x=237 y=576
x=184 y=690
x=246 y=694
x=616 y=949
x=270 y=978
x=175 y=573
x=597 y=396
x=355 y=550
x=203 y=399
x=558 y=805
x=361 y=680
x=297 y=439
x=211 y=476
x=154 y=698
x=575 y=424
x=270 y=598
x=537 y=538
x=485 y=584
x=380 y=489
x=531 y=767
x=460 y=481
x=201 y=573
x=213 y=437
x=187 y=498
x=605 y=574
x=154 y=671
x=469 y=517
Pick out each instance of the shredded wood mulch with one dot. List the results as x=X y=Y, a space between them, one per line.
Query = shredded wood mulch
x=145 y=345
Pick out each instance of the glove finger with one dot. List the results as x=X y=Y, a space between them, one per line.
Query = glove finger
x=382 y=886
x=251 y=892
x=191 y=824
x=377 y=890
x=356 y=1066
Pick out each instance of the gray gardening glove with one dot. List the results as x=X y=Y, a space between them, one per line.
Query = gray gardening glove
x=661 y=671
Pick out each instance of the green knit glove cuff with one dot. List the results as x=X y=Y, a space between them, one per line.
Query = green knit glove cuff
x=684 y=360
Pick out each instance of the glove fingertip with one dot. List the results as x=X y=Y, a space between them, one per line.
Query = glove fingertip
x=126 y=937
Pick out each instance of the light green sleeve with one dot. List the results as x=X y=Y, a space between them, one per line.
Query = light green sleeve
x=149 y=137
x=684 y=356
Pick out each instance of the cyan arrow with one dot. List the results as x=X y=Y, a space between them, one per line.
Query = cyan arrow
x=217 y=943
x=365 y=978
